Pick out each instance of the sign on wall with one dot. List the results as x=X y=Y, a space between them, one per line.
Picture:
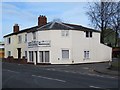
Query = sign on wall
x=44 y=43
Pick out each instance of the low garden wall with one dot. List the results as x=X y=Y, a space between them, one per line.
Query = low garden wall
x=14 y=60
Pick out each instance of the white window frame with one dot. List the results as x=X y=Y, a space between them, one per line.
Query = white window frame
x=34 y=35
x=31 y=56
x=9 y=53
x=19 y=39
x=25 y=38
x=65 y=33
x=86 y=54
x=43 y=56
x=90 y=34
x=8 y=40
x=68 y=57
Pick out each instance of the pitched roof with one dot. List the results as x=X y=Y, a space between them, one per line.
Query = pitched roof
x=22 y=31
x=64 y=26
x=55 y=26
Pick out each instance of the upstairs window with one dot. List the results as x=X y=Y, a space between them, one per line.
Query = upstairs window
x=88 y=34
x=34 y=35
x=19 y=39
x=9 y=40
x=25 y=38
x=65 y=33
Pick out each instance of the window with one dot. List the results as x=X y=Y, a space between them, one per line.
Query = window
x=26 y=54
x=19 y=39
x=65 y=33
x=88 y=34
x=86 y=54
x=25 y=38
x=65 y=54
x=31 y=56
x=9 y=53
x=44 y=56
x=34 y=35
x=9 y=40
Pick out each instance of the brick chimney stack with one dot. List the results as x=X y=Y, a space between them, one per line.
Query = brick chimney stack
x=42 y=20
x=15 y=28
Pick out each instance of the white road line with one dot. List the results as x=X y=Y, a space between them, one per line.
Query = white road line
x=99 y=87
x=11 y=71
x=94 y=87
x=49 y=78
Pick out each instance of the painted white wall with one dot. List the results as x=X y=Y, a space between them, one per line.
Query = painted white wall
x=14 y=45
x=40 y=36
x=58 y=43
x=98 y=51
x=76 y=43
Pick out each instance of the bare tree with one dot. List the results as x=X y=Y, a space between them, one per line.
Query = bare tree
x=115 y=21
x=100 y=14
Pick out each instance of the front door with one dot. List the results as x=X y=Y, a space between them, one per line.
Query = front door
x=19 y=53
x=44 y=56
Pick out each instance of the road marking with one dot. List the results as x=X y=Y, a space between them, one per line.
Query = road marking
x=49 y=78
x=99 y=87
x=11 y=71
x=94 y=87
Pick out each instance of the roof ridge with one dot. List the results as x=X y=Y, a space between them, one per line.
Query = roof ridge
x=52 y=25
x=64 y=25
x=44 y=25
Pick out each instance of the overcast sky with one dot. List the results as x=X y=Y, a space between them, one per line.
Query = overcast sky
x=26 y=14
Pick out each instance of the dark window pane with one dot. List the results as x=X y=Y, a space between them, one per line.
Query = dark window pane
x=87 y=34
x=90 y=34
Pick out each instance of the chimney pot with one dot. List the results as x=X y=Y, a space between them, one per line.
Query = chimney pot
x=42 y=20
x=16 y=28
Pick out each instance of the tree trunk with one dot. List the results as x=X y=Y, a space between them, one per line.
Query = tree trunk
x=116 y=36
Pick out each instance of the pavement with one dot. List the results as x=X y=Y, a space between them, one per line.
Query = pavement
x=107 y=71
x=106 y=68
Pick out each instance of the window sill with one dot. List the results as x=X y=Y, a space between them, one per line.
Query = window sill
x=86 y=59
x=65 y=59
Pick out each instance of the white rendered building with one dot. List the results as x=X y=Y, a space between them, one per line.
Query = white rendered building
x=56 y=43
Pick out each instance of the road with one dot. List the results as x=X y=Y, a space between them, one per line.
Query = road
x=52 y=76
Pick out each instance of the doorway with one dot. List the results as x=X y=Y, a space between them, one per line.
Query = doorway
x=19 y=53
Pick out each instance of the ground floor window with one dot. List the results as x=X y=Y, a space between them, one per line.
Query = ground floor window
x=44 y=56
x=86 y=54
x=9 y=53
x=65 y=54
x=31 y=56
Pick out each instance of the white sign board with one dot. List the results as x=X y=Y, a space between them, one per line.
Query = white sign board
x=44 y=43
